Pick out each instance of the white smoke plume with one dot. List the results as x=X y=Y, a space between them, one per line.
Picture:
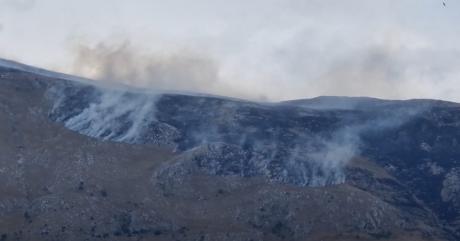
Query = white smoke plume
x=309 y=157
x=103 y=118
x=322 y=160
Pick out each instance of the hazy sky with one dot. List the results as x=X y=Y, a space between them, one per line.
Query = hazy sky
x=258 y=49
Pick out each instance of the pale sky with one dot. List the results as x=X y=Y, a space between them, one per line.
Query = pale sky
x=257 y=49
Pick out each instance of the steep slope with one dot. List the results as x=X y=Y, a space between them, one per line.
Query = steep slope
x=80 y=162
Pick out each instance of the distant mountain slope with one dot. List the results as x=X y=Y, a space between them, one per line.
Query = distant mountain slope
x=85 y=162
x=362 y=103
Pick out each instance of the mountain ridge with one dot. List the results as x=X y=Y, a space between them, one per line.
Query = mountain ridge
x=5 y=63
x=80 y=162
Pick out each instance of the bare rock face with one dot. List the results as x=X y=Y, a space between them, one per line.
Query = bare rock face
x=450 y=193
x=80 y=161
x=451 y=187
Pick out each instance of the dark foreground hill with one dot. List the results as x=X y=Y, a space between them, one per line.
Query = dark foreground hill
x=80 y=162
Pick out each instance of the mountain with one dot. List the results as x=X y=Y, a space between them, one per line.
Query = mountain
x=85 y=161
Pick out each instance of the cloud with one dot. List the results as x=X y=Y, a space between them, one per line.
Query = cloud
x=393 y=73
x=389 y=49
x=19 y=5
x=395 y=64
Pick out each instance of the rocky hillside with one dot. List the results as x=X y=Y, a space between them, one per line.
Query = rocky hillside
x=80 y=161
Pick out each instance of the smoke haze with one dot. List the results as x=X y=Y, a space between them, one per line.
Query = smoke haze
x=162 y=71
